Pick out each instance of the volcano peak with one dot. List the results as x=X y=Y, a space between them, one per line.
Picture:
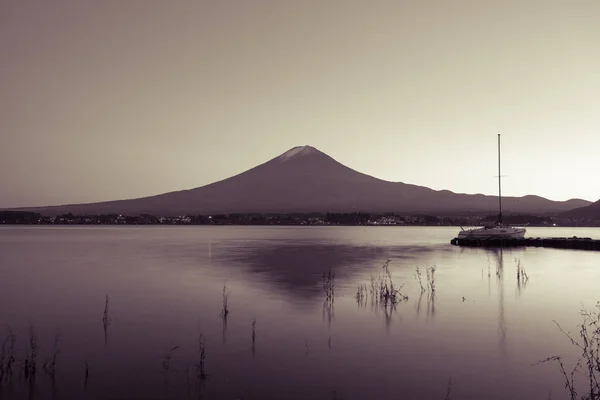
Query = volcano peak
x=298 y=151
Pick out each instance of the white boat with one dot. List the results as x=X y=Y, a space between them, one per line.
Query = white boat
x=497 y=230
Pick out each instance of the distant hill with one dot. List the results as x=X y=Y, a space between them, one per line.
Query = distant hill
x=305 y=179
x=590 y=212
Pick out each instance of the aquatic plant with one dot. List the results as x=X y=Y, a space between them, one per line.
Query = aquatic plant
x=328 y=311
x=361 y=294
x=522 y=276
x=106 y=320
x=418 y=277
x=588 y=363
x=50 y=364
x=329 y=285
x=106 y=317
x=225 y=310
x=87 y=374
x=430 y=273
x=383 y=291
x=30 y=363
x=390 y=292
x=200 y=366
x=166 y=363
x=448 y=389
x=253 y=336
x=3 y=356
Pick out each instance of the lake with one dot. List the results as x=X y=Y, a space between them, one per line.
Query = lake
x=478 y=334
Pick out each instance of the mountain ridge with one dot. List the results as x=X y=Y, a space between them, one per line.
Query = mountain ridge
x=304 y=179
x=591 y=211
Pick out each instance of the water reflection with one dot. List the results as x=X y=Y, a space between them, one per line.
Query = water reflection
x=106 y=320
x=457 y=330
x=225 y=312
x=294 y=269
x=522 y=277
x=431 y=306
x=328 y=312
x=498 y=255
x=254 y=337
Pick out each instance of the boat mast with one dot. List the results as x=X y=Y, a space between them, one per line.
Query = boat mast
x=499 y=186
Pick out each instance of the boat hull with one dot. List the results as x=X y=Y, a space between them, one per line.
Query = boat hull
x=493 y=233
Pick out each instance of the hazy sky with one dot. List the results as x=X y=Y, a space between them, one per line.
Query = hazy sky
x=116 y=99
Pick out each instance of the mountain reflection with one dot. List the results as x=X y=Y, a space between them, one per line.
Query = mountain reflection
x=295 y=269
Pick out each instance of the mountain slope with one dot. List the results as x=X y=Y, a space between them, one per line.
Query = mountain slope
x=590 y=212
x=304 y=179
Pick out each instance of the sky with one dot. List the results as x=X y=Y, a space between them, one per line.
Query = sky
x=115 y=99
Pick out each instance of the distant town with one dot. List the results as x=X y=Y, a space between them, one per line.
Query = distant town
x=342 y=219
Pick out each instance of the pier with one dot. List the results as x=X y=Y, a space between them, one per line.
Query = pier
x=556 y=243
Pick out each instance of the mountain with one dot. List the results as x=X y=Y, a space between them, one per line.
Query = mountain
x=590 y=212
x=304 y=179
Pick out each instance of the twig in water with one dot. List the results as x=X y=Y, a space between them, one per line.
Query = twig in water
x=225 y=310
x=418 y=277
x=430 y=272
x=329 y=285
x=166 y=363
x=30 y=365
x=200 y=367
x=50 y=364
x=588 y=363
x=2 y=358
x=11 y=354
x=87 y=374
x=361 y=293
x=569 y=377
x=449 y=388
x=253 y=336
x=522 y=276
x=106 y=320
x=384 y=291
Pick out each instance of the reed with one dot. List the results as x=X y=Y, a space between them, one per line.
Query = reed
x=383 y=290
x=87 y=374
x=522 y=276
x=419 y=278
x=430 y=274
x=106 y=320
x=166 y=359
x=200 y=366
x=361 y=293
x=588 y=363
x=50 y=364
x=3 y=355
x=329 y=285
x=30 y=363
x=449 y=388
x=106 y=317
x=225 y=310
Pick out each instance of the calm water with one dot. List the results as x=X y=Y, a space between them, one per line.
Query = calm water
x=165 y=288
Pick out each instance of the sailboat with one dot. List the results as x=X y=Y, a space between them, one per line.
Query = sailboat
x=497 y=230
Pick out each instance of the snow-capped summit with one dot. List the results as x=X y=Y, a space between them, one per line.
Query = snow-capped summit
x=298 y=151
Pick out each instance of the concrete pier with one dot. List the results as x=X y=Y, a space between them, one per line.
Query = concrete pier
x=557 y=243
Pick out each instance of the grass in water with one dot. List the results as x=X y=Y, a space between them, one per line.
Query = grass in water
x=588 y=363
